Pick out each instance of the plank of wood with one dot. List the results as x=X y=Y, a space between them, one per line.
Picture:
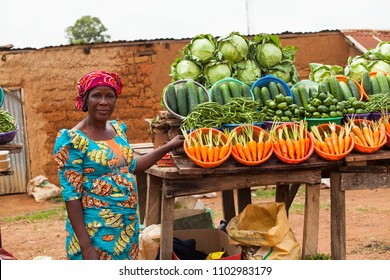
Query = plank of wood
x=311 y=220
x=362 y=181
x=206 y=184
x=363 y=169
x=12 y=147
x=244 y=197
x=383 y=153
x=166 y=239
x=337 y=218
x=228 y=205
x=153 y=200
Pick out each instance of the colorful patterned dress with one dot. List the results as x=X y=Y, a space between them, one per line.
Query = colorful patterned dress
x=100 y=174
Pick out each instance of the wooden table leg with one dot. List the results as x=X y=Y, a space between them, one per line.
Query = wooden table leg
x=311 y=220
x=166 y=238
x=337 y=218
x=282 y=194
x=244 y=197
x=153 y=200
x=229 y=209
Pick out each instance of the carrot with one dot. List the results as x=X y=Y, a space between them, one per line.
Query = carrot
x=382 y=135
x=302 y=141
x=347 y=138
x=341 y=141
x=217 y=147
x=225 y=147
x=282 y=144
x=209 y=143
x=358 y=132
x=357 y=140
x=248 y=130
x=197 y=151
x=267 y=147
x=329 y=143
x=334 y=138
x=289 y=143
x=260 y=145
x=188 y=139
x=234 y=149
x=296 y=142
x=307 y=146
x=387 y=127
x=246 y=149
x=375 y=136
x=240 y=150
x=277 y=147
x=367 y=135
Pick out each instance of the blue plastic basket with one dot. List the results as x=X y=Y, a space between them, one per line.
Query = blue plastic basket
x=264 y=81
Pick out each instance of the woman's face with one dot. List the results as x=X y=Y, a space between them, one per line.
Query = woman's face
x=101 y=102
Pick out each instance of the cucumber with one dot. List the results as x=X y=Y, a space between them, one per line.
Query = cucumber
x=353 y=88
x=181 y=97
x=388 y=79
x=281 y=89
x=296 y=97
x=234 y=89
x=374 y=85
x=202 y=97
x=217 y=95
x=347 y=94
x=225 y=93
x=382 y=81
x=335 y=89
x=192 y=95
x=366 y=82
x=326 y=82
x=273 y=89
x=256 y=93
x=170 y=95
x=312 y=91
x=322 y=88
x=304 y=96
x=246 y=91
x=265 y=94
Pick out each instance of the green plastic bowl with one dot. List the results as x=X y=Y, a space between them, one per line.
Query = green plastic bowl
x=317 y=121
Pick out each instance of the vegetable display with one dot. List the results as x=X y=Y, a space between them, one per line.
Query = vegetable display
x=7 y=121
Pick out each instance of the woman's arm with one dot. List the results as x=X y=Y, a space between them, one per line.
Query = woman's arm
x=146 y=161
x=76 y=218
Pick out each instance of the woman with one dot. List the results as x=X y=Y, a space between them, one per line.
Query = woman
x=97 y=175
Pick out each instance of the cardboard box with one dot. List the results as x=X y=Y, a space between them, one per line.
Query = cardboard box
x=209 y=241
x=190 y=213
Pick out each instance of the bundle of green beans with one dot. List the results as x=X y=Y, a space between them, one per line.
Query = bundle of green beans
x=379 y=102
x=7 y=121
x=212 y=114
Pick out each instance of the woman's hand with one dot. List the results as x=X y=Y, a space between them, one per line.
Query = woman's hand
x=175 y=142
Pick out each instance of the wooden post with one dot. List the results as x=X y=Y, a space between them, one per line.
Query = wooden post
x=153 y=200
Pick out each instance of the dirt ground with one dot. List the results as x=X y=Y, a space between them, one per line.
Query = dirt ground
x=367 y=218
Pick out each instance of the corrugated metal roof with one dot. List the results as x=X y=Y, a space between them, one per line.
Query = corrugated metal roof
x=365 y=39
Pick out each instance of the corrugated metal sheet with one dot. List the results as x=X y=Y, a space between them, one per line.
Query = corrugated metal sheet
x=365 y=39
x=17 y=182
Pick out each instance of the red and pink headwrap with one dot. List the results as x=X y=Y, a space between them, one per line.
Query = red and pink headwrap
x=94 y=79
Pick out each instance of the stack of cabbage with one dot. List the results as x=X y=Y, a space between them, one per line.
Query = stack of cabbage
x=374 y=60
x=207 y=59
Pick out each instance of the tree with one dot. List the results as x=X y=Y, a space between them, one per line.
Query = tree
x=87 y=29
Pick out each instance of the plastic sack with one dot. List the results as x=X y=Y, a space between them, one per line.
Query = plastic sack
x=41 y=189
x=263 y=232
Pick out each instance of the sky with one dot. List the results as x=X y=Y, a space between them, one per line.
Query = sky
x=42 y=23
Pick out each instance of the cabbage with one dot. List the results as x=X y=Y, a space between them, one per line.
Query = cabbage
x=247 y=71
x=233 y=48
x=185 y=69
x=319 y=72
x=381 y=52
x=379 y=65
x=268 y=55
x=201 y=48
x=285 y=71
x=217 y=70
x=355 y=71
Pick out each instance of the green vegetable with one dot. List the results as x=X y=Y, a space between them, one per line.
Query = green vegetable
x=226 y=96
x=170 y=94
x=247 y=71
x=366 y=82
x=322 y=88
x=273 y=89
x=246 y=91
x=7 y=121
x=297 y=99
x=304 y=95
x=234 y=47
x=256 y=93
x=217 y=95
x=281 y=89
x=201 y=48
x=265 y=95
x=185 y=69
x=181 y=97
x=353 y=87
x=345 y=90
x=192 y=95
x=217 y=70
x=234 y=89
x=382 y=81
x=335 y=88
x=202 y=97
x=374 y=85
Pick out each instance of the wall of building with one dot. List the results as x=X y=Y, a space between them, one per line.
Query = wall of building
x=48 y=79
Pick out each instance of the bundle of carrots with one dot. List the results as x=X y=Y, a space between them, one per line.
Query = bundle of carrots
x=247 y=147
x=205 y=146
x=330 y=140
x=368 y=133
x=291 y=141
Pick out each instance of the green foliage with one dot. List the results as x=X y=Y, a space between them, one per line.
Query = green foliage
x=319 y=256
x=87 y=29
x=39 y=215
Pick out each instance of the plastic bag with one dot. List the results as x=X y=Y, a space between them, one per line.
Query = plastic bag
x=263 y=232
x=41 y=189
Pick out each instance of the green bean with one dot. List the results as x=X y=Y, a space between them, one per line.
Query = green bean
x=7 y=121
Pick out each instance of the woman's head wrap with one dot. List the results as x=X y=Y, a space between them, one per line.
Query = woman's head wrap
x=94 y=79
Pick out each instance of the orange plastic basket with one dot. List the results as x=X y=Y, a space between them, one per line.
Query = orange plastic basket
x=215 y=133
x=366 y=149
x=256 y=133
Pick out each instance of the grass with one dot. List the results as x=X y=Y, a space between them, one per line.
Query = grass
x=319 y=256
x=59 y=213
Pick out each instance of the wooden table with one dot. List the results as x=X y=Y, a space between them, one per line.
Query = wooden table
x=164 y=184
x=361 y=171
